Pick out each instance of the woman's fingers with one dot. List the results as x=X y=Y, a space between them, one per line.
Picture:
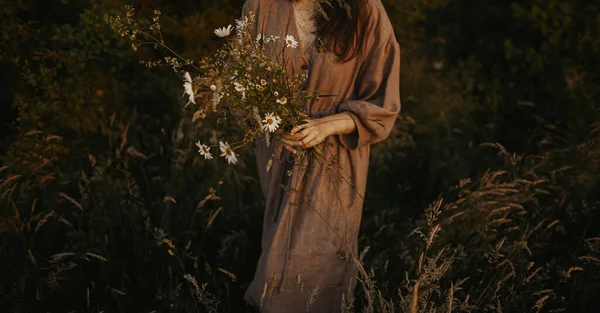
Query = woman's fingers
x=304 y=125
x=304 y=135
x=290 y=137
x=291 y=143
x=289 y=148
x=288 y=145
x=305 y=132
x=308 y=138
x=311 y=144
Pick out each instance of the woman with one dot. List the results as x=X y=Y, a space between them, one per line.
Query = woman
x=310 y=232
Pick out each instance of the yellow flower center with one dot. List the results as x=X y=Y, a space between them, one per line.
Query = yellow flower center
x=270 y=121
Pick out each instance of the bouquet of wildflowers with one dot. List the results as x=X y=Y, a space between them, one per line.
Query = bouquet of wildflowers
x=245 y=87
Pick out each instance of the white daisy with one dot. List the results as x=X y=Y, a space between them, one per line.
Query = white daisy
x=227 y=153
x=291 y=42
x=187 y=87
x=271 y=122
x=259 y=87
x=239 y=87
x=276 y=94
x=263 y=82
x=213 y=87
x=282 y=100
x=204 y=150
x=224 y=31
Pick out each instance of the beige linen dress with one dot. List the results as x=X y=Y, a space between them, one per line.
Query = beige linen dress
x=311 y=221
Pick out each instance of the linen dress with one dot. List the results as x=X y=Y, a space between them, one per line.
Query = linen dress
x=311 y=221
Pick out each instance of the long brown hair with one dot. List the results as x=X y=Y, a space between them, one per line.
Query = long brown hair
x=339 y=26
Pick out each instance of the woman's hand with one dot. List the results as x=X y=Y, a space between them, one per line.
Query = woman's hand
x=315 y=130
x=309 y=134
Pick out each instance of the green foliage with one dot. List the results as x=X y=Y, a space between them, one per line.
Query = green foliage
x=530 y=61
x=106 y=206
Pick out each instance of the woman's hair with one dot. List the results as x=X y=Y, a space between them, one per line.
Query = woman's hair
x=339 y=26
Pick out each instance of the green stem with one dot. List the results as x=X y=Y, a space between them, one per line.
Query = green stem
x=162 y=44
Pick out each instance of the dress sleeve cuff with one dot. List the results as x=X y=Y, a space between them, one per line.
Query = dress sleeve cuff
x=353 y=140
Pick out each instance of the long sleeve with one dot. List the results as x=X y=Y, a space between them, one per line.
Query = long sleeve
x=377 y=85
